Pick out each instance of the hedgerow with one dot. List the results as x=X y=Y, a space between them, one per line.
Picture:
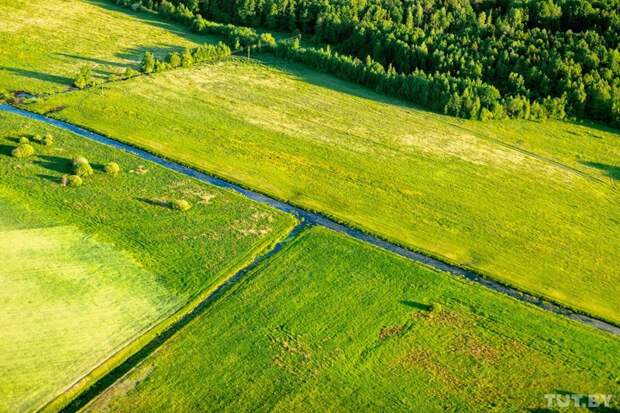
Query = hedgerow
x=472 y=60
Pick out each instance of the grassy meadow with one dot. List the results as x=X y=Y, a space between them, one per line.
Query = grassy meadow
x=331 y=324
x=44 y=43
x=86 y=270
x=494 y=196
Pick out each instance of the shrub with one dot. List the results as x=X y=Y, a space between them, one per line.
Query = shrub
x=112 y=168
x=23 y=150
x=148 y=63
x=174 y=59
x=84 y=78
x=436 y=308
x=130 y=72
x=71 y=180
x=180 y=204
x=186 y=59
x=24 y=139
x=48 y=140
x=81 y=166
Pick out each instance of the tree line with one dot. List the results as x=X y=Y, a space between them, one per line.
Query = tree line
x=523 y=59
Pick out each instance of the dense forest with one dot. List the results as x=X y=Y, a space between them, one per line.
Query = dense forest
x=469 y=58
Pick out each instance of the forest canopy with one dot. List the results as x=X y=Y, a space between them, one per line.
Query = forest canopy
x=484 y=58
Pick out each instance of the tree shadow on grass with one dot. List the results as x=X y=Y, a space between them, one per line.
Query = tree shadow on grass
x=50 y=178
x=6 y=150
x=155 y=202
x=54 y=163
x=92 y=60
x=609 y=170
x=416 y=305
x=153 y=20
x=47 y=77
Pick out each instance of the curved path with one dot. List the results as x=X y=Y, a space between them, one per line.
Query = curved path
x=312 y=218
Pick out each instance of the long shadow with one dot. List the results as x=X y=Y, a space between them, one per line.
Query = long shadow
x=92 y=60
x=332 y=82
x=50 y=178
x=297 y=70
x=609 y=170
x=416 y=305
x=155 y=202
x=54 y=163
x=6 y=150
x=153 y=20
x=47 y=77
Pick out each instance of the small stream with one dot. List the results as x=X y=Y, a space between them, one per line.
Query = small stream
x=312 y=218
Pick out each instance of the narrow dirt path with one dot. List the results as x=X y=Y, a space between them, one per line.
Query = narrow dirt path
x=313 y=218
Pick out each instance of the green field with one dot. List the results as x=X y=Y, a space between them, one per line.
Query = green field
x=405 y=174
x=92 y=274
x=68 y=301
x=316 y=328
x=86 y=270
x=44 y=43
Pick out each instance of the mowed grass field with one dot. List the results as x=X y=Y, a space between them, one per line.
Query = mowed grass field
x=513 y=209
x=331 y=324
x=87 y=270
x=67 y=302
x=44 y=43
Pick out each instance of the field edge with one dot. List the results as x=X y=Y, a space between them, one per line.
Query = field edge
x=72 y=392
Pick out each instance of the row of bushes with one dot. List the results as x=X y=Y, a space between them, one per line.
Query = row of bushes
x=25 y=148
x=81 y=167
x=440 y=92
x=151 y=64
x=471 y=99
x=201 y=54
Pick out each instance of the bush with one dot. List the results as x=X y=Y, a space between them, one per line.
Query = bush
x=71 y=180
x=48 y=140
x=23 y=150
x=148 y=63
x=436 y=308
x=112 y=168
x=81 y=166
x=84 y=78
x=130 y=72
x=180 y=204
x=174 y=59
x=24 y=139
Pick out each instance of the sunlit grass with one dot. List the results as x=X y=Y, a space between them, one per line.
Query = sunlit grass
x=427 y=181
x=330 y=324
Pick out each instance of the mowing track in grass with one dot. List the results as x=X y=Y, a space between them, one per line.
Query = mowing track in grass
x=312 y=218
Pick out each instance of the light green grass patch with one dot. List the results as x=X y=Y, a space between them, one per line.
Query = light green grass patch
x=331 y=324
x=506 y=209
x=67 y=302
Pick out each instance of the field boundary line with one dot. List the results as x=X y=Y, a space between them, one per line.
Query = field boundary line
x=131 y=347
x=315 y=218
x=171 y=326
